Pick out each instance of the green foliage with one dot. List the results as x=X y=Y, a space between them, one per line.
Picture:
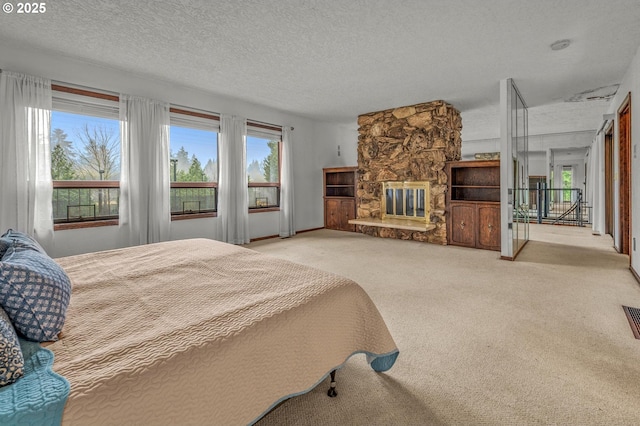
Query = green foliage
x=270 y=163
x=61 y=166
x=186 y=170
x=196 y=173
x=566 y=184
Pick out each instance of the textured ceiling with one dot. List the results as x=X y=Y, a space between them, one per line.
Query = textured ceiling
x=333 y=59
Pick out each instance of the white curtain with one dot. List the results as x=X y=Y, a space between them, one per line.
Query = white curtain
x=287 y=224
x=25 y=171
x=233 y=201
x=145 y=206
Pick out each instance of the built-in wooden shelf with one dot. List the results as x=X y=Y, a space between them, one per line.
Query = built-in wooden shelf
x=406 y=224
x=473 y=204
x=339 y=197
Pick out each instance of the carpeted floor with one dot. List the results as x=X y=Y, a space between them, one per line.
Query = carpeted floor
x=541 y=340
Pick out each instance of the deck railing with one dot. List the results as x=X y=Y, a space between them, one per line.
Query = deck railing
x=83 y=201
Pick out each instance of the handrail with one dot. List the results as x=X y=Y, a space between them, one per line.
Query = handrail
x=557 y=206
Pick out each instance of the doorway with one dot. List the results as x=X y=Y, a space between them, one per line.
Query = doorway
x=608 y=180
x=624 y=137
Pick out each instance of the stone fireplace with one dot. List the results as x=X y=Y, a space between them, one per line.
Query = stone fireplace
x=401 y=178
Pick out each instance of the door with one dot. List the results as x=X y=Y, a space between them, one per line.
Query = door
x=624 y=127
x=463 y=221
x=489 y=226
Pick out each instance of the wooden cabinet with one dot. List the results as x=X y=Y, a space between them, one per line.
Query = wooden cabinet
x=339 y=197
x=473 y=204
x=488 y=226
x=338 y=213
x=462 y=216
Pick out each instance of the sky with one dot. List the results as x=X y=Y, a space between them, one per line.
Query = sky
x=199 y=142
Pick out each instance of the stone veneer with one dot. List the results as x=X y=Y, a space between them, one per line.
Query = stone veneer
x=410 y=143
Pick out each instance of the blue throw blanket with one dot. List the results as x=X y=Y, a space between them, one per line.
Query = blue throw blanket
x=37 y=398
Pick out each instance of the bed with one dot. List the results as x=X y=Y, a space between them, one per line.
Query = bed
x=199 y=332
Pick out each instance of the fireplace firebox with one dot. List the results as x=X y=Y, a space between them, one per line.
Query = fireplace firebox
x=406 y=200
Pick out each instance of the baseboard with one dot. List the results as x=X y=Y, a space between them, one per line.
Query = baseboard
x=635 y=274
x=309 y=230
x=268 y=237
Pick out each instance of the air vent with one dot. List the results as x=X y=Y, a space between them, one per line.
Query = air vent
x=633 y=315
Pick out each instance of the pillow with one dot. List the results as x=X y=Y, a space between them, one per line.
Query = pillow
x=5 y=243
x=20 y=240
x=35 y=293
x=11 y=359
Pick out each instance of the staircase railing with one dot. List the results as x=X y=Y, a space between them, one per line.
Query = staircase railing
x=558 y=206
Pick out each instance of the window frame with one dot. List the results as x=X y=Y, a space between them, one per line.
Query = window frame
x=84 y=184
x=272 y=132
x=195 y=185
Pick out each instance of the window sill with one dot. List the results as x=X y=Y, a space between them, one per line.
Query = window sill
x=264 y=210
x=192 y=216
x=80 y=225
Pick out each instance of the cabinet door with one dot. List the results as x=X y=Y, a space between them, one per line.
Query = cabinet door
x=463 y=231
x=347 y=212
x=489 y=226
x=332 y=214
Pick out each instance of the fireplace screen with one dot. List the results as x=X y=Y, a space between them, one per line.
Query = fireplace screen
x=405 y=200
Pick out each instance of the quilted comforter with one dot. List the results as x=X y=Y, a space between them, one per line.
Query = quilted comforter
x=203 y=332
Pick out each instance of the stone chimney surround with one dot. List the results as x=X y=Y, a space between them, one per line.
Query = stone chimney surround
x=406 y=144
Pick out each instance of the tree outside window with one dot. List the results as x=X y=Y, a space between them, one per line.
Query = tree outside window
x=263 y=172
x=193 y=170
x=84 y=148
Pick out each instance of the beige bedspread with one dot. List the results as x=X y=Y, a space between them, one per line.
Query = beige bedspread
x=202 y=332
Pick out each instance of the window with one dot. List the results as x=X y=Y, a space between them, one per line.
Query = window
x=193 y=164
x=85 y=157
x=263 y=166
x=567 y=183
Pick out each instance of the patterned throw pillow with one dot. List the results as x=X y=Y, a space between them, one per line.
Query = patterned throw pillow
x=5 y=243
x=11 y=359
x=35 y=293
x=20 y=241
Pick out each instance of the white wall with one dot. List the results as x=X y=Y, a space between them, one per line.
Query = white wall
x=538 y=163
x=341 y=144
x=315 y=144
x=536 y=143
x=559 y=149
x=630 y=83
